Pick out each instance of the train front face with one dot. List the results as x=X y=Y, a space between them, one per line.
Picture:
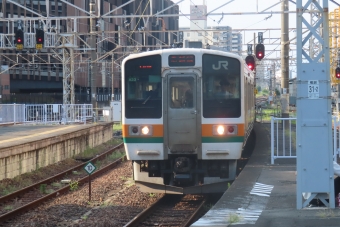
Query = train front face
x=182 y=135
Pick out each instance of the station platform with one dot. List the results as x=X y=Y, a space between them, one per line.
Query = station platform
x=11 y=135
x=24 y=148
x=264 y=195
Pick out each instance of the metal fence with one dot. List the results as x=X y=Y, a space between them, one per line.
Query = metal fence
x=283 y=138
x=11 y=113
x=46 y=113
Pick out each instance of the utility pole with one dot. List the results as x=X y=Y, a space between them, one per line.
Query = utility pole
x=112 y=78
x=284 y=60
x=93 y=65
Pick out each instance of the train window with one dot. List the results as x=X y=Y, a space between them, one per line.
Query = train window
x=181 y=92
x=143 y=87
x=221 y=86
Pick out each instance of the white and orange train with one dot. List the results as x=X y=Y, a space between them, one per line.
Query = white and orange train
x=181 y=132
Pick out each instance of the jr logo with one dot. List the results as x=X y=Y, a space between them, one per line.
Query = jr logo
x=224 y=64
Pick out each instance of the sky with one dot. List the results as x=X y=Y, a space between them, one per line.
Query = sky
x=253 y=21
x=242 y=6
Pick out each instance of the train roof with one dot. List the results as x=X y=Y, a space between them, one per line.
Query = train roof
x=184 y=51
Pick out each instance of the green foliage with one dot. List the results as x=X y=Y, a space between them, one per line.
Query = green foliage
x=98 y=164
x=89 y=152
x=233 y=218
x=117 y=127
x=116 y=155
x=8 y=208
x=42 y=188
x=277 y=92
x=74 y=185
x=265 y=91
x=259 y=88
x=7 y=190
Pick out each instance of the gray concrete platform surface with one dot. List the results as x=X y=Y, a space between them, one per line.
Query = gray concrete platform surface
x=11 y=135
x=264 y=195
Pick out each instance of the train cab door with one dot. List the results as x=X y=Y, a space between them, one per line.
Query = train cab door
x=182 y=117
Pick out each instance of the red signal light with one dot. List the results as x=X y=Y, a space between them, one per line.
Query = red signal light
x=39 y=35
x=337 y=72
x=259 y=50
x=19 y=36
x=250 y=61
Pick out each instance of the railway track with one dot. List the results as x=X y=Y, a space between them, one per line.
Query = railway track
x=32 y=196
x=171 y=210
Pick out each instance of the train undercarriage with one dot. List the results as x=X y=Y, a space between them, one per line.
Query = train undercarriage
x=184 y=174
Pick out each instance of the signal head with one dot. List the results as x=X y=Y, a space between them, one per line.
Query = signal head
x=19 y=37
x=337 y=72
x=250 y=61
x=259 y=50
x=39 y=36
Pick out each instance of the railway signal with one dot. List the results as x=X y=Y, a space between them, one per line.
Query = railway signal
x=337 y=72
x=259 y=51
x=250 y=61
x=39 y=39
x=19 y=39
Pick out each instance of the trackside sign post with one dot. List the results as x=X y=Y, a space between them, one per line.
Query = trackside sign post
x=89 y=168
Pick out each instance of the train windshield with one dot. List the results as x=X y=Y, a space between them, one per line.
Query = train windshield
x=221 y=87
x=143 y=87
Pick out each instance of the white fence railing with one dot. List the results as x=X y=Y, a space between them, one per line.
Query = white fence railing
x=10 y=113
x=46 y=113
x=283 y=138
x=281 y=141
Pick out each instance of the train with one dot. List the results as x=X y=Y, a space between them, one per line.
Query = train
x=180 y=130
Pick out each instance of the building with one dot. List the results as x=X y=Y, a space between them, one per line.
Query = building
x=217 y=37
x=36 y=76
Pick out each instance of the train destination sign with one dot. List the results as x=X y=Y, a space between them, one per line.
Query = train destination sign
x=182 y=60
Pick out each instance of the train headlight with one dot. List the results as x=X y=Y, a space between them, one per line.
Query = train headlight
x=220 y=130
x=140 y=130
x=145 y=130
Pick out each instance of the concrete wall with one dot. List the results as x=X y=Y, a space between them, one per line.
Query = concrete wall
x=30 y=156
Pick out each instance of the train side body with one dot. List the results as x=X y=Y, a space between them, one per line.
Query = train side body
x=183 y=129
